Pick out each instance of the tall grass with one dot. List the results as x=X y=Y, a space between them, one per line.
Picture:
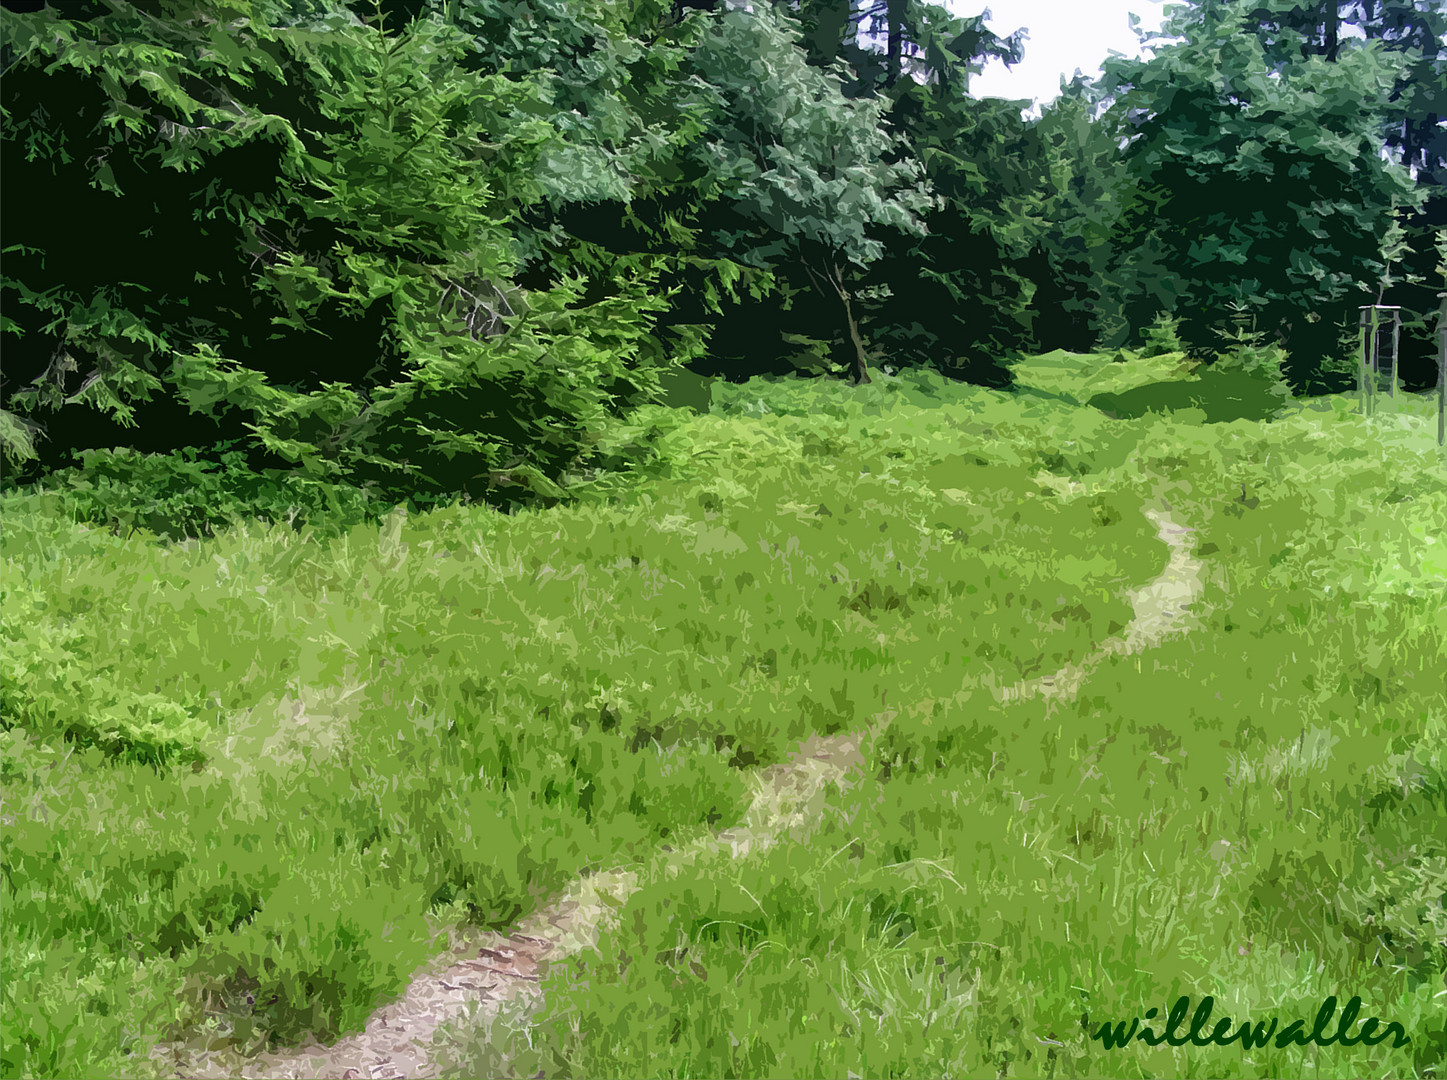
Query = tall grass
x=253 y=777
x=1255 y=811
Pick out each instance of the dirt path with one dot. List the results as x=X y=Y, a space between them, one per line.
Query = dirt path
x=485 y=972
x=1159 y=610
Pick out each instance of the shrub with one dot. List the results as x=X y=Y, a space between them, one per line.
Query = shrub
x=1162 y=336
x=193 y=492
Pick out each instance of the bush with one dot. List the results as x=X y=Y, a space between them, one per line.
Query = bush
x=1247 y=351
x=193 y=492
x=1244 y=382
x=1162 y=336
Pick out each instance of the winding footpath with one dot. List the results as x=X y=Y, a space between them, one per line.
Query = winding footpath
x=485 y=973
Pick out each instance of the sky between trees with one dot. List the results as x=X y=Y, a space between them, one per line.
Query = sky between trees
x=1064 y=35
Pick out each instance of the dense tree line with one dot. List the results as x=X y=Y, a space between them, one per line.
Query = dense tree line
x=1271 y=169
x=448 y=247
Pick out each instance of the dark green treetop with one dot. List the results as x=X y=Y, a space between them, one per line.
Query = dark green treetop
x=293 y=231
x=1255 y=187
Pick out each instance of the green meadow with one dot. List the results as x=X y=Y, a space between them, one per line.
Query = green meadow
x=252 y=780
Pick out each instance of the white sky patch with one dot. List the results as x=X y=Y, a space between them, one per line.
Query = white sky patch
x=1063 y=35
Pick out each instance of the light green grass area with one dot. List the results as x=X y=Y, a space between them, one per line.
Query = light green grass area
x=260 y=773
x=1255 y=811
x=1079 y=377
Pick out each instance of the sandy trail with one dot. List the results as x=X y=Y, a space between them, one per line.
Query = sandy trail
x=1159 y=610
x=485 y=972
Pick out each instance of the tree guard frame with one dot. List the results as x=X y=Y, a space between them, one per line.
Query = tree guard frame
x=1369 y=369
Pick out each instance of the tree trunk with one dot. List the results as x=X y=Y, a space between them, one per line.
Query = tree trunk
x=861 y=357
x=894 y=18
x=831 y=274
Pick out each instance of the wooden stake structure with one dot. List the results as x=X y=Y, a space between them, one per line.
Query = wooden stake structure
x=1370 y=369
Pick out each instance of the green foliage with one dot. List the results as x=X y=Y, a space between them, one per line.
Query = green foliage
x=1081 y=198
x=1411 y=35
x=350 y=253
x=615 y=83
x=882 y=42
x=958 y=298
x=976 y=288
x=267 y=734
x=804 y=176
x=1217 y=395
x=299 y=713
x=1249 y=351
x=1254 y=185
x=1162 y=336
x=447 y=247
x=192 y=492
x=47 y=689
x=1242 y=382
